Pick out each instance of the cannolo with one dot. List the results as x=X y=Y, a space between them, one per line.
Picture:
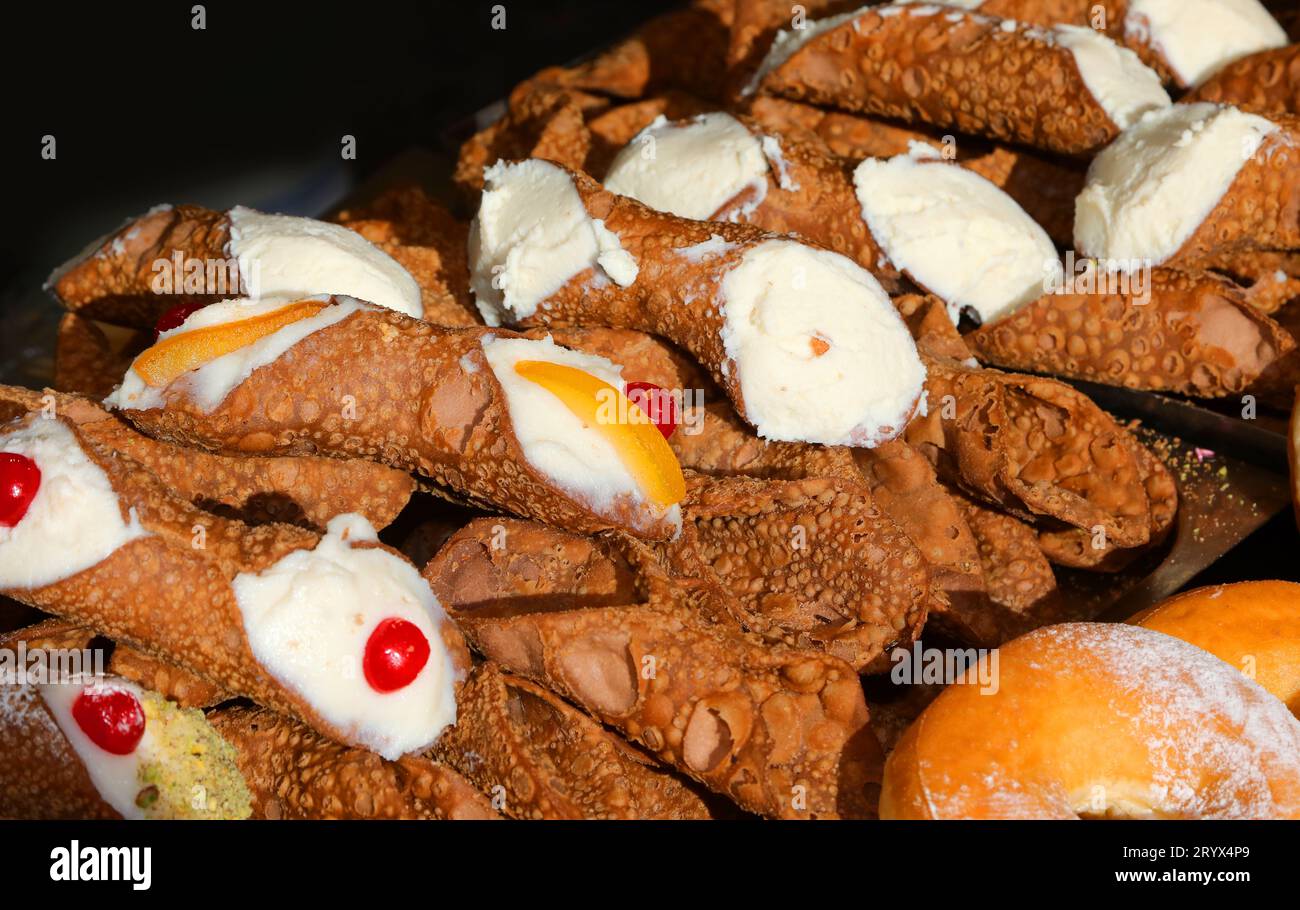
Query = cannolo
x=1018 y=579
x=541 y=758
x=174 y=259
x=294 y=773
x=1267 y=82
x=428 y=242
x=277 y=614
x=803 y=340
x=1035 y=448
x=90 y=362
x=1189 y=183
x=1187 y=41
x=814 y=564
x=1276 y=385
x=782 y=733
x=168 y=680
x=1066 y=89
x=81 y=745
x=1188 y=332
x=302 y=490
x=1044 y=188
x=513 y=424
x=616 y=127
x=756 y=23
x=1268 y=279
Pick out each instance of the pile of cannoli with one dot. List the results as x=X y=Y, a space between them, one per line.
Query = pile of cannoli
x=608 y=489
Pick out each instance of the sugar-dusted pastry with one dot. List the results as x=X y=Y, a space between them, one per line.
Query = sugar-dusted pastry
x=99 y=746
x=598 y=621
x=1065 y=89
x=541 y=758
x=514 y=424
x=803 y=340
x=335 y=629
x=185 y=256
x=1189 y=183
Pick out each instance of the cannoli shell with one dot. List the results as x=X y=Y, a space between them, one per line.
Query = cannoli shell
x=302 y=490
x=428 y=242
x=541 y=758
x=417 y=407
x=41 y=776
x=294 y=773
x=1269 y=279
x=113 y=281
x=1264 y=83
x=87 y=361
x=1034 y=447
x=1195 y=335
x=756 y=23
x=1275 y=387
x=782 y=733
x=168 y=680
x=616 y=127
x=935 y=66
x=816 y=563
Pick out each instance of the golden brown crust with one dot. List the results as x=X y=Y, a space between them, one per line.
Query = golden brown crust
x=168 y=680
x=87 y=361
x=782 y=733
x=416 y=406
x=1275 y=386
x=541 y=758
x=950 y=69
x=1195 y=334
x=293 y=773
x=614 y=128
x=428 y=242
x=302 y=490
x=1268 y=279
x=113 y=281
x=1264 y=83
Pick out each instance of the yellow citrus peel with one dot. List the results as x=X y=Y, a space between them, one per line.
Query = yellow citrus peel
x=639 y=444
x=185 y=351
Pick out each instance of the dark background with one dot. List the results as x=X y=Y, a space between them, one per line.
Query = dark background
x=145 y=109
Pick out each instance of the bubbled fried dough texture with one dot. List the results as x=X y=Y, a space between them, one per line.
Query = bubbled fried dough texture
x=173 y=600
x=1264 y=83
x=616 y=127
x=302 y=490
x=293 y=773
x=41 y=776
x=815 y=563
x=782 y=733
x=1261 y=208
x=114 y=281
x=541 y=758
x=1036 y=448
x=428 y=242
x=952 y=70
x=1188 y=332
x=168 y=680
x=88 y=362
x=380 y=386
x=1268 y=279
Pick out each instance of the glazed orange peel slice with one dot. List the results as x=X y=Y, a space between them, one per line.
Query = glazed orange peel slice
x=178 y=354
x=639 y=444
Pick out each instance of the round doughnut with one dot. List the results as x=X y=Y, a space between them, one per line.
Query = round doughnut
x=1099 y=720
x=1253 y=625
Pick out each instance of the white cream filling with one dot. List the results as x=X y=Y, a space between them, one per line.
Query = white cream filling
x=209 y=384
x=690 y=169
x=1149 y=191
x=308 y=618
x=116 y=777
x=531 y=235
x=781 y=303
x=956 y=233
x=75 y=519
x=285 y=256
x=559 y=444
x=1124 y=86
x=1199 y=37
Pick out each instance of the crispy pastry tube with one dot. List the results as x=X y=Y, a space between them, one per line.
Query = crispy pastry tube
x=301 y=490
x=1268 y=279
x=87 y=361
x=374 y=384
x=1067 y=90
x=541 y=758
x=802 y=339
x=1264 y=83
x=782 y=733
x=1189 y=332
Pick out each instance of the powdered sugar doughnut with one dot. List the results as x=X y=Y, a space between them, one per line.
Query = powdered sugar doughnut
x=1094 y=720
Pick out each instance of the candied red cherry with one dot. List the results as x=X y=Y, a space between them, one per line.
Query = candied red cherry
x=657 y=403
x=111 y=718
x=173 y=317
x=20 y=478
x=395 y=654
